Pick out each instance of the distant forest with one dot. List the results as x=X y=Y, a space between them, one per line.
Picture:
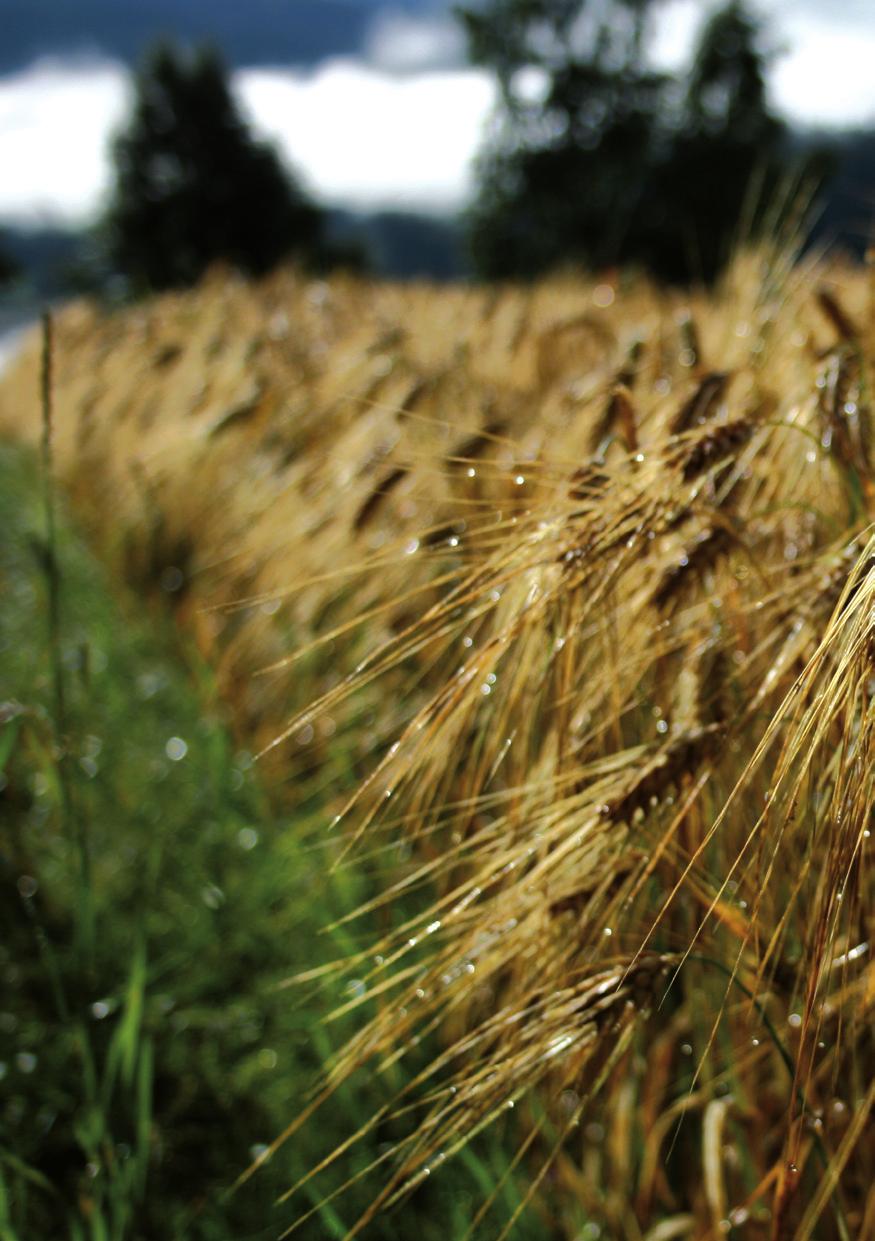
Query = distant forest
x=401 y=245
x=615 y=164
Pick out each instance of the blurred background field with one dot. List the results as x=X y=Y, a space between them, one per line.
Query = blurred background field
x=399 y=522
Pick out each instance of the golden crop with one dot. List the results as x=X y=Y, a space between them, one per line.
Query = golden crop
x=581 y=578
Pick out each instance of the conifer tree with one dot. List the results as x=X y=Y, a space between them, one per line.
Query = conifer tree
x=8 y=267
x=727 y=157
x=596 y=159
x=563 y=175
x=193 y=186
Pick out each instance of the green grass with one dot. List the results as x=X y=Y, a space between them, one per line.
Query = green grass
x=151 y=898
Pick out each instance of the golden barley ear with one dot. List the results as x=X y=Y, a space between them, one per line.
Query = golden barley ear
x=620 y=783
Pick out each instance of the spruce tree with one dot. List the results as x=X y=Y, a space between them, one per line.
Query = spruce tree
x=9 y=269
x=193 y=186
x=728 y=154
x=562 y=178
x=606 y=161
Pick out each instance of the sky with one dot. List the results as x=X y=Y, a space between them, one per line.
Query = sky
x=394 y=123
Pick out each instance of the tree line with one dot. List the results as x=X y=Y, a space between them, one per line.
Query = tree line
x=594 y=157
x=598 y=158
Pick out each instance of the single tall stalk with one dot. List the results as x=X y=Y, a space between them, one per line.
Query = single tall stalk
x=70 y=822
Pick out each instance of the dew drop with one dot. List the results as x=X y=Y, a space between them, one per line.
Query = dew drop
x=172 y=579
x=212 y=896
x=175 y=749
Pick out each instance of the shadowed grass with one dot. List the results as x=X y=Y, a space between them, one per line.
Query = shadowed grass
x=143 y=1069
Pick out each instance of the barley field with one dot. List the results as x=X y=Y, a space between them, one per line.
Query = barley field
x=553 y=607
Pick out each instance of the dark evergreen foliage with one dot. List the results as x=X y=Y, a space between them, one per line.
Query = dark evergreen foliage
x=606 y=161
x=193 y=186
x=727 y=157
x=8 y=267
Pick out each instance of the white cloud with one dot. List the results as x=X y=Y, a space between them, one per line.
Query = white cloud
x=822 y=74
x=854 y=13
x=826 y=76
x=404 y=43
x=674 y=28
x=359 y=137
x=365 y=137
x=55 y=120
x=369 y=139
